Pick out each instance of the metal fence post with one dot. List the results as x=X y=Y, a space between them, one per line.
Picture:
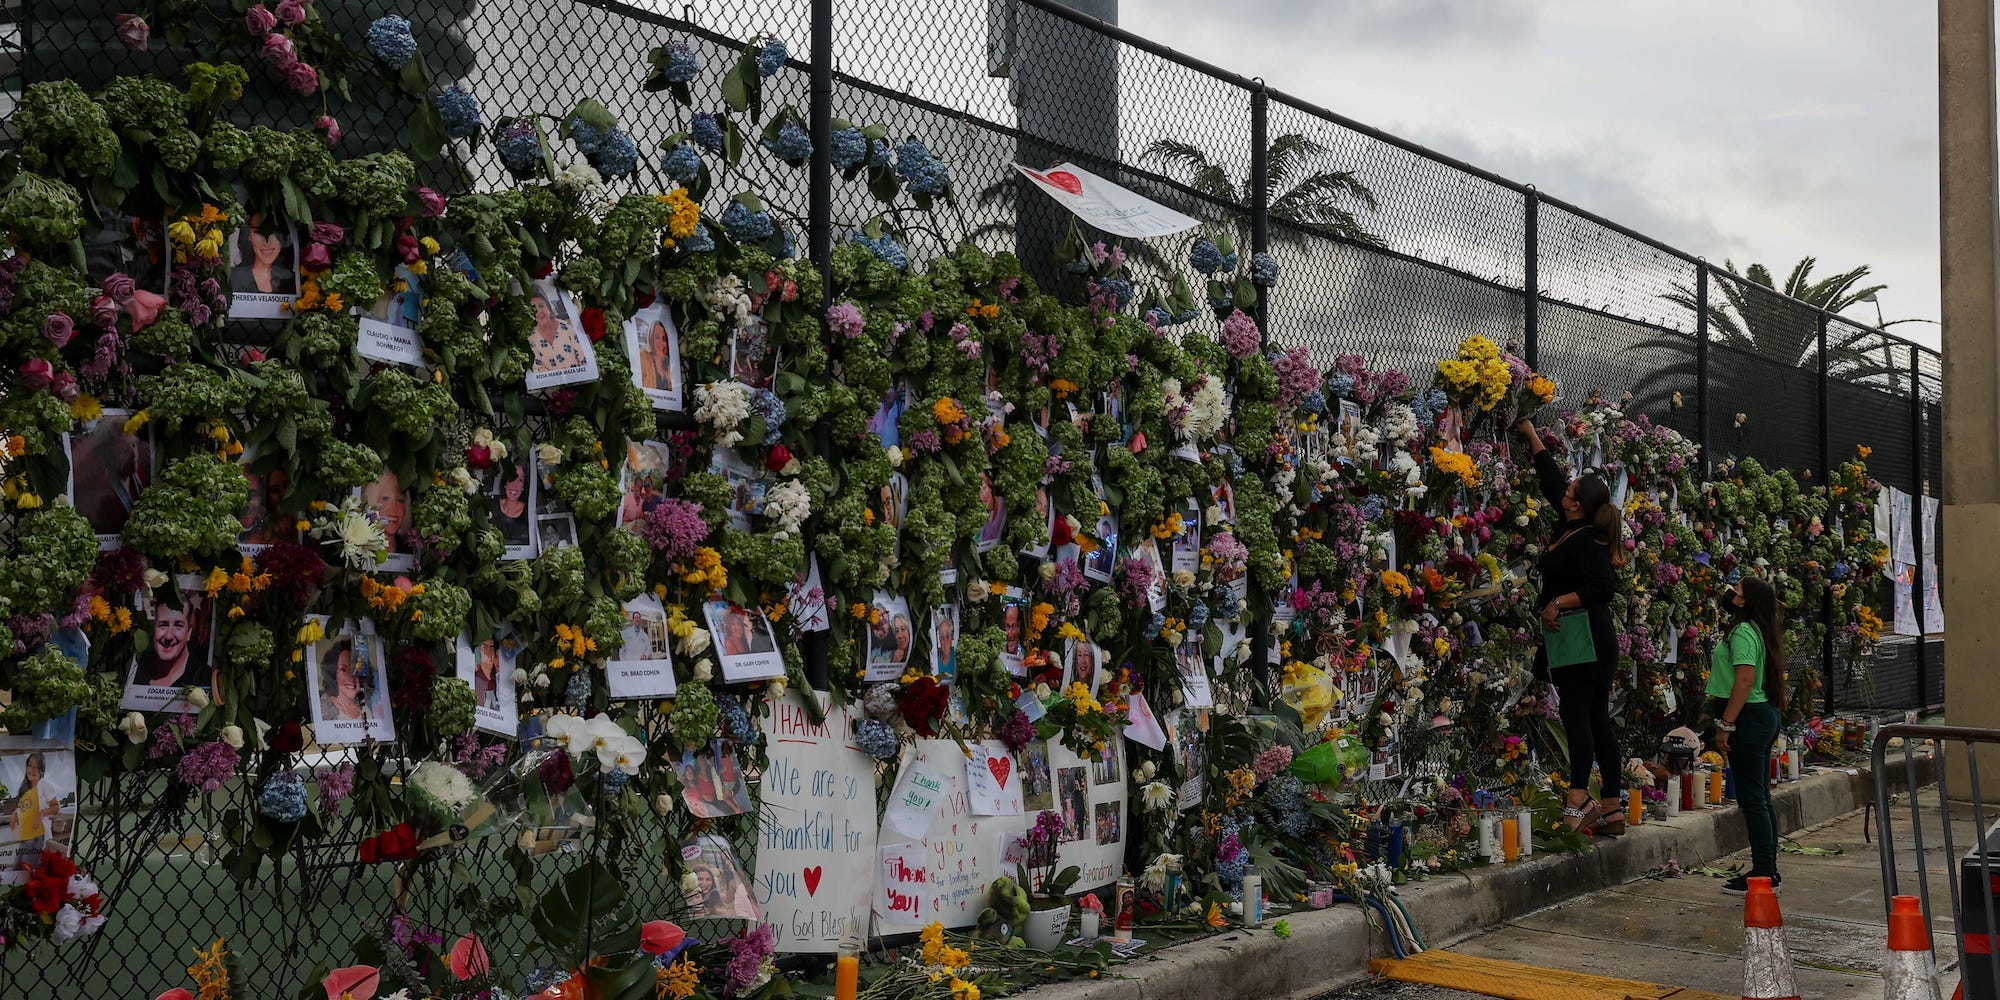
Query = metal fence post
x=1260 y=241
x=820 y=239
x=1531 y=281
x=1701 y=364
x=1826 y=489
x=1918 y=582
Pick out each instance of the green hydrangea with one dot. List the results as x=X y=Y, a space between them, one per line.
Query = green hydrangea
x=694 y=715
x=48 y=683
x=40 y=418
x=443 y=513
x=190 y=392
x=54 y=552
x=170 y=336
x=452 y=707
x=144 y=104
x=604 y=623
x=354 y=278
x=590 y=489
x=271 y=154
x=416 y=410
x=440 y=611
x=191 y=510
x=250 y=646
x=64 y=130
x=626 y=557
x=343 y=465
x=226 y=145
x=40 y=212
x=313 y=166
x=208 y=81
x=378 y=184
x=559 y=575
x=322 y=339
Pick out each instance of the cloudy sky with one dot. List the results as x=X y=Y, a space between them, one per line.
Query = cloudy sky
x=1760 y=131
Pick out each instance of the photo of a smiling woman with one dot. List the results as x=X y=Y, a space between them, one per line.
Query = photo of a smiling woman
x=261 y=259
x=349 y=701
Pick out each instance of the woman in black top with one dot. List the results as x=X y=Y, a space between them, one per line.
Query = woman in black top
x=1579 y=570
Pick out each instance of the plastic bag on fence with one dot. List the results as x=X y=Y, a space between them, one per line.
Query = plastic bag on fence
x=1330 y=762
x=1309 y=691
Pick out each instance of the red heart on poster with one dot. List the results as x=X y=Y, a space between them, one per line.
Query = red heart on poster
x=1001 y=767
x=1066 y=180
x=812 y=879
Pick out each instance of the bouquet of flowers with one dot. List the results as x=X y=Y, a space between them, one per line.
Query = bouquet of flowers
x=1484 y=381
x=57 y=901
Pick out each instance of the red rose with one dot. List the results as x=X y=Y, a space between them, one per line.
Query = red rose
x=288 y=738
x=544 y=271
x=408 y=249
x=778 y=457
x=593 y=323
x=1061 y=536
x=45 y=895
x=56 y=866
x=645 y=299
x=402 y=842
x=478 y=456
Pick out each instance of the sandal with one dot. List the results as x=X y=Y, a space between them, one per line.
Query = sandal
x=1582 y=815
x=1611 y=824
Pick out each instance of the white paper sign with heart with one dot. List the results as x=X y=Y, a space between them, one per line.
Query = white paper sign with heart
x=992 y=783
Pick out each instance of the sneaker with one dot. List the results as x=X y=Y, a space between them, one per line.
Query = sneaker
x=1740 y=885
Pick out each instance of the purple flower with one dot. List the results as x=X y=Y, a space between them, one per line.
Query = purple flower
x=846 y=319
x=336 y=784
x=747 y=951
x=59 y=328
x=1135 y=581
x=1240 y=335
x=104 y=311
x=674 y=528
x=317 y=258
x=1017 y=732
x=291 y=13
x=207 y=766
x=120 y=287
x=1296 y=376
x=278 y=51
x=433 y=202
x=260 y=20
x=305 y=79
x=924 y=442
x=133 y=31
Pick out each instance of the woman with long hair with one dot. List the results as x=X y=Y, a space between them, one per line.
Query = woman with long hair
x=1746 y=696
x=1578 y=569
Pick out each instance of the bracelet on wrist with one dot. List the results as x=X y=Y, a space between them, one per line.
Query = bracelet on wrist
x=1725 y=725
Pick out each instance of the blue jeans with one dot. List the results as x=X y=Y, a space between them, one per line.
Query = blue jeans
x=1750 y=760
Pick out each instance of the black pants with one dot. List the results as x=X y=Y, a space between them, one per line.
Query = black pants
x=1585 y=693
x=1750 y=761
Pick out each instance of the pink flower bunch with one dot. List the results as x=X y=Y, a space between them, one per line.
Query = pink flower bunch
x=208 y=766
x=1270 y=762
x=278 y=50
x=674 y=528
x=845 y=318
x=748 y=952
x=1297 y=376
x=1135 y=580
x=1240 y=335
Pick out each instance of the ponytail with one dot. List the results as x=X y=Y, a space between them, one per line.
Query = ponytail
x=1595 y=499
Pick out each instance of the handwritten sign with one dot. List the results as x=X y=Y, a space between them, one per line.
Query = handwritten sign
x=1105 y=205
x=904 y=881
x=913 y=800
x=817 y=811
x=1089 y=795
x=959 y=852
x=992 y=783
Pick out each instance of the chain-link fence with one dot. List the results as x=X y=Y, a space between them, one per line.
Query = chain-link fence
x=1387 y=250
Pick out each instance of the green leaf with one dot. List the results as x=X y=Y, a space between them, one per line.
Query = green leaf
x=750 y=200
x=414 y=78
x=427 y=136
x=736 y=84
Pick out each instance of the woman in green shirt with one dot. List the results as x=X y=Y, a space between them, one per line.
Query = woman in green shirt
x=1746 y=692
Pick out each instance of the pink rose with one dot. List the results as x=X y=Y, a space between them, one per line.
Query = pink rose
x=279 y=53
x=175 y=994
x=37 y=373
x=408 y=248
x=104 y=311
x=330 y=127
x=59 y=328
x=434 y=203
x=252 y=355
x=120 y=287
x=317 y=258
x=134 y=31
x=64 y=386
x=291 y=13
x=260 y=20
x=328 y=233
x=305 y=79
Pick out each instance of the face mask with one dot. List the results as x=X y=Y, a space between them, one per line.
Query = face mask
x=1730 y=609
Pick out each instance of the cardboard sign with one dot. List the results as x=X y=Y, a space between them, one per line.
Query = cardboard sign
x=992 y=782
x=903 y=882
x=817 y=813
x=1089 y=795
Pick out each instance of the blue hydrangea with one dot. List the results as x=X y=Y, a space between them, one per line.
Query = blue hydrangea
x=1314 y=402
x=1155 y=624
x=1229 y=871
x=1282 y=796
x=1263 y=270
x=1081 y=265
x=878 y=153
x=791 y=144
x=1840 y=570
x=849 y=149
x=1159 y=317
x=789 y=247
x=1373 y=507
x=876 y=739
x=1340 y=386
x=520 y=148
x=1197 y=615
x=616 y=156
x=283 y=799
x=1185 y=316
x=541 y=979
x=885 y=248
x=1205 y=256
x=615 y=781
x=460 y=112
x=766 y=403
x=1427 y=405
x=1222 y=300
x=706 y=130
x=390 y=40
x=700 y=242
x=771 y=57
x=682 y=163
x=739 y=223
x=920 y=172
x=735 y=723
x=1119 y=288
x=1225 y=605
x=576 y=693
x=682 y=65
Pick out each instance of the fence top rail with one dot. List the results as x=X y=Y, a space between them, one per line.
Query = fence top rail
x=1125 y=36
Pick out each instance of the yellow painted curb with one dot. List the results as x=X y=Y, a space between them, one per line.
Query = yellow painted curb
x=1515 y=981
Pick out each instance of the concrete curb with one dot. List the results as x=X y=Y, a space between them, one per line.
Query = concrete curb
x=1330 y=948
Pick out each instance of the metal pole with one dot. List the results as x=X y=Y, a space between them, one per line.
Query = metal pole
x=1531 y=282
x=1701 y=363
x=1826 y=488
x=820 y=240
x=1260 y=240
x=1917 y=500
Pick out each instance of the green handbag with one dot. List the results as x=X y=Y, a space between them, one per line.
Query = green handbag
x=1569 y=643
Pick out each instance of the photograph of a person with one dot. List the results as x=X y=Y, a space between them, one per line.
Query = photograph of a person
x=712 y=783
x=891 y=635
x=1347 y=435
x=753 y=359
x=388 y=329
x=1107 y=814
x=1084 y=658
x=645 y=474
x=108 y=469
x=1194 y=674
x=510 y=497
x=1097 y=563
x=895 y=503
x=386 y=498
x=562 y=354
x=1014 y=624
x=746 y=486
x=349 y=694
x=263 y=522
x=944 y=641
x=643 y=665
x=654 y=345
x=1105 y=770
x=1224 y=496
x=1186 y=548
x=1073 y=794
x=719 y=889
x=1037 y=788
x=743 y=638
x=179 y=657
x=1039 y=548
x=38 y=798
x=887 y=421
x=556 y=529
x=996 y=513
x=263 y=268
x=488 y=666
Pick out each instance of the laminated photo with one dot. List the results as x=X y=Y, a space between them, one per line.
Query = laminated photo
x=643 y=667
x=996 y=513
x=712 y=783
x=108 y=468
x=563 y=355
x=944 y=642
x=891 y=636
x=388 y=329
x=386 y=498
x=510 y=501
x=807 y=598
x=644 y=479
x=1187 y=544
x=746 y=486
x=887 y=421
x=134 y=246
x=719 y=888
x=263 y=268
x=38 y=798
x=488 y=666
x=743 y=641
x=264 y=522
x=654 y=345
x=1194 y=674
x=555 y=529
x=753 y=359
x=895 y=501
x=1083 y=661
x=1037 y=782
x=349 y=688
x=181 y=652
x=1014 y=624
x=1044 y=515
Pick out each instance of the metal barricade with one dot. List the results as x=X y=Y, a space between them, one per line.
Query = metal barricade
x=1976 y=883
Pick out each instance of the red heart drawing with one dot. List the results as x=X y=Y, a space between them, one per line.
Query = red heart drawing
x=1066 y=180
x=1001 y=767
x=812 y=879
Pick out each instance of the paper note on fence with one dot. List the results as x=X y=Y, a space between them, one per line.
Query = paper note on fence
x=903 y=881
x=1105 y=205
x=817 y=812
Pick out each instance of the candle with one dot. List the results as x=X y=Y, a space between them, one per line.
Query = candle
x=1792 y=760
x=1671 y=803
x=1635 y=809
x=1087 y=925
x=1714 y=787
x=1510 y=839
x=1687 y=791
x=846 y=976
x=1253 y=900
x=1524 y=824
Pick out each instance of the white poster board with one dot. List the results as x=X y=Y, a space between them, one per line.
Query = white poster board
x=963 y=851
x=816 y=818
x=1105 y=205
x=1094 y=834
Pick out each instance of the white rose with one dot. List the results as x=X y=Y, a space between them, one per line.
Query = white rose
x=154 y=579
x=525 y=840
x=461 y=478
x=548 y=454
x=663 y=804
x=704 y=669
x=777 y=689
x=895 y=455
x=520 y=676
x=134 y=727
x=198 y=697
x=233 y=735
x=1048 y=571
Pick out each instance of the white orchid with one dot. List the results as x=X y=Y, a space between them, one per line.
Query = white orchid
x=567 y=731
x=626 y=755
x=602 y=732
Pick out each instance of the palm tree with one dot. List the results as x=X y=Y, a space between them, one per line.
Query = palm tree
x=1751 y=316
x=1311 y=198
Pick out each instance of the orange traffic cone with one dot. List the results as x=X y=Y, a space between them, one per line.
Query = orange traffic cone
x=1767 y=963
x=1911 y=972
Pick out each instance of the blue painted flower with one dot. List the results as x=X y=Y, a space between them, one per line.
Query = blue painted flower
x=390 y=40
x=874 y=738
x=283 y=799
x=682 y=163
x=791 y=144
x=520 y=148
x=459 y=111
x=1155 y=624
x=766 y=404
x=771 y=57
x=920 y=172
x=1205 y=256
x=682 y=65
x=736 y=724
x=849 y=149
x=1263 y=270
x=706 y=130
x=741 y=224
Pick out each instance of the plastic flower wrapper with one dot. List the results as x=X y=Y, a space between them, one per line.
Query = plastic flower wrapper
x=537 y=791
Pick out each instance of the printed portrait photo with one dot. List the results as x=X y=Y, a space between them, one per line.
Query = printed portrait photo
x=388 y=329
x=654 y=345
x=488 y=666
x=563 y=355
x=180 y=654
x=643 y=666
x=744 y=640
x=753 y=359
x=388 y=500
x=108 y=469
x=349 y=694
x=510 y=501
x=264 y=521
x=944 y=642
x=1107 y=817
x=891 y=636
x=645 y=478
x=720 y=889
x=712 y=783
x=1038 y=789
x=263 y=268
x=1073 y=797
x=38 y=798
